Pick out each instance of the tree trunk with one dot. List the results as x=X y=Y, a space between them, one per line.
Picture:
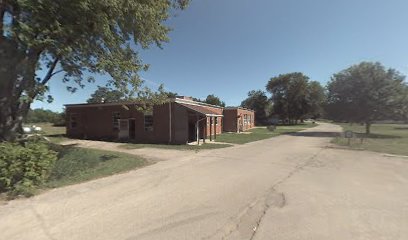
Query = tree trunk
x=17 y=73
x=368 y=127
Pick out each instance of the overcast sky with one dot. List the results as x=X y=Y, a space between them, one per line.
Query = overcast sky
x=229 y=47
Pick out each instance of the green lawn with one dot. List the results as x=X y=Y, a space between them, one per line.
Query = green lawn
x=386 y=138
x=261 y=133
x=175 y=147
x=75 y=165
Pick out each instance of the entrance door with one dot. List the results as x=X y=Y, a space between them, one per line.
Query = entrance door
x=123 y=128
x=192 y=132
x=132 y=128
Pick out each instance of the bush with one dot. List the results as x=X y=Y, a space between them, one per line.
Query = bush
x=271 y=128
x=23 y=167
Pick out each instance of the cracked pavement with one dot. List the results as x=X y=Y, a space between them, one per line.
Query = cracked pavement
x=287 y=187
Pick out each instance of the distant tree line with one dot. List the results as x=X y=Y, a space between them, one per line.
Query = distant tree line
x=110 y=95
x=363 y=93
x=40 y=115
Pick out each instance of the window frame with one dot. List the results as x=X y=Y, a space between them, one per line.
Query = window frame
x=150 y=127
x=116 y=120
x=75 y=115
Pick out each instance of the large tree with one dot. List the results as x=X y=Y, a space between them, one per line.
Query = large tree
x=404 y=105
x=214 y=100
x=316 y=99
x=289 y=96
x=365 y=93
x=257 y=101
x=106 y=95
x=74 y=38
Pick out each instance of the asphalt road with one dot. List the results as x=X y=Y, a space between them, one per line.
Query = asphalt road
x=288 y=187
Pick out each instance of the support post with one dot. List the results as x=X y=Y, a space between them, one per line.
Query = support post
x=198 y=133
x=215 y=129
x=210 y=128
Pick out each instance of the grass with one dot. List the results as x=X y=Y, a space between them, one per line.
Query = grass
x=261 y=133
x=75 y=165
x=385 y=138
x=54 y=134
x=175 y=147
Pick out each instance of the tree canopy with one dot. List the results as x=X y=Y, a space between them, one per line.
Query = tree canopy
x=73 y=38
x=40 y=115
x=257 y=101
x=214 y=100
x=106 y=95
x=289 y=95
x=365 y=93
x=316 y=100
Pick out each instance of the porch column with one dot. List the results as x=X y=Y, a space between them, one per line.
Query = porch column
x=215 y=129
x=210 y=128
x=205 y=130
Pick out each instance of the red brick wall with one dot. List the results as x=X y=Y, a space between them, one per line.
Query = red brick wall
x=230 y=120
x=233 y=117
x=250 y=115
x=96 y=122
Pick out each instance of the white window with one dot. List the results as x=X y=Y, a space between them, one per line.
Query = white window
x=115 y=119
x=73 y=120
x=124 y=124
x=148 y=122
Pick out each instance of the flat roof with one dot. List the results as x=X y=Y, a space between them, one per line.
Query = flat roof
x=233 y=108
x=177 y=100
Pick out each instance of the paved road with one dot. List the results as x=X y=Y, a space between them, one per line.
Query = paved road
x=288 y=187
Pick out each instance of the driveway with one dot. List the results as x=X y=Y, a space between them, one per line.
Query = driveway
x=287 y=187
x=155 y=154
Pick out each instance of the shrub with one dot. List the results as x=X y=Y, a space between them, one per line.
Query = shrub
x=23 y=167
x=271 y=128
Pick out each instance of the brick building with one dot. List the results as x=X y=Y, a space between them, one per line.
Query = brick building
x=237 y=119
x=178 y=121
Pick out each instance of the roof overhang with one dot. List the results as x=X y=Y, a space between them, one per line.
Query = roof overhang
x=202 y=110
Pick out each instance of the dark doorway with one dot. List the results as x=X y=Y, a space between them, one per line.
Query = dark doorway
x=192 y=132
x=132 y=128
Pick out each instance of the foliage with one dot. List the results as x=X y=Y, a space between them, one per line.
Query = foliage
x=40 y=115
x=74 y=38
x=214 y=100
x=365 y=93
x=106 y=95
x=293 y=97
x=171 y=94
x=271 y=128
x=22 y=168
x=316 y=99
x=257 y=101
x=402 y=109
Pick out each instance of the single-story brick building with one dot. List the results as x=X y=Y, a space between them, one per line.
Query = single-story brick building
x=178 y=121
x=238 y=119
